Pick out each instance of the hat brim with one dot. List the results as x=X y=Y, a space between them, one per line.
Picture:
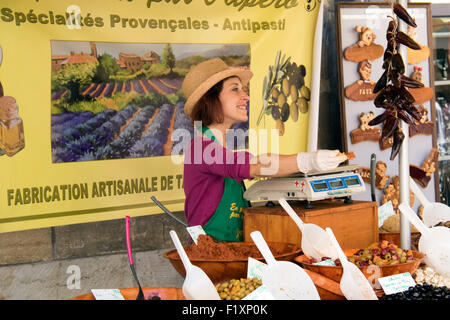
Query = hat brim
x=243 y=74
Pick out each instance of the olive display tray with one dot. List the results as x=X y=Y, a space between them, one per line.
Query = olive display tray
x=335 y=272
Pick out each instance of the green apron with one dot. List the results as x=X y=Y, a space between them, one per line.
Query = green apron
x=227 y=221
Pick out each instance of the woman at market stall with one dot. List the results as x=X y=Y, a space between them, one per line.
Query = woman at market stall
x=213 y=174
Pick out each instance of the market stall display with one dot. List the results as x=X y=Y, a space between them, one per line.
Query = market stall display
x=237 y=289
x=334 y=272
x=433 y=213
x=223 y=261
x=196 y=285
x=434 y=242
x=353 y=283
x=284 y=279
x=315 y=241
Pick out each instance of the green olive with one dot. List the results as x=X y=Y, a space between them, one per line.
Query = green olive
x=293 y=110
x=285 y=87
x=302 y=105
x=305 y=92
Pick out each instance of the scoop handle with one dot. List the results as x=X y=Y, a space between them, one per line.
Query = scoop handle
x=413 y=218
x=291 y=213
x=341 y=254
x=420 y=195
x=263 y=247
x=127 y=234
x=184 y=258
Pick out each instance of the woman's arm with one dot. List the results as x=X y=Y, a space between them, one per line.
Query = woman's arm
x=273 y=165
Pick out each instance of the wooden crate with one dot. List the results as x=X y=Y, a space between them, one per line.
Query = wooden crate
x=355 y=225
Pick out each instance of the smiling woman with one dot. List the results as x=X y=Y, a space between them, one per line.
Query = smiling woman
x=217 y=99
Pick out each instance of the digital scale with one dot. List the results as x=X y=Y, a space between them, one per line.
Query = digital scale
x=342 y=182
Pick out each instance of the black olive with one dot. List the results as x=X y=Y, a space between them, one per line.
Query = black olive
x=275 y=112
x=285 y=112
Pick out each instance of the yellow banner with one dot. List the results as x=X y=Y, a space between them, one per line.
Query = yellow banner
x=91 y=100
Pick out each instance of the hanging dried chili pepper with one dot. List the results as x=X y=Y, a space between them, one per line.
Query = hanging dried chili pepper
x=410 y=83
x=398 y=139
x=393 y=94
x=404 y=15
x=406 y=40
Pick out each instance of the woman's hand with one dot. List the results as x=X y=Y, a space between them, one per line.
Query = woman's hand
x=320 y=160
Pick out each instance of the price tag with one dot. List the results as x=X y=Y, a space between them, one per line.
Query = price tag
x=384 y=212
x=396 y=283
x=107 y=294
x=195 y=231
x=328 y=262
x=255 y=268
x=260 y=293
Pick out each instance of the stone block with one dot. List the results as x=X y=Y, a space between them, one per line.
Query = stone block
x=25 y=246
x=108 y=237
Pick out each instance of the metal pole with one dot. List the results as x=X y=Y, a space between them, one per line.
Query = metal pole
x=403 y=160
x=315 y=83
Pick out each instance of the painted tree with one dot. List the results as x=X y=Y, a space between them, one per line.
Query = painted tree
x=73 y=77
x=168 y=58
x=106 y=67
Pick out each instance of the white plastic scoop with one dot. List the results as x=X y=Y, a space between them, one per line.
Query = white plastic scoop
x=433 y=213
x=434 y=242
x=354 y=285
x=285 y=280
x=315 y=241
x=196 y=285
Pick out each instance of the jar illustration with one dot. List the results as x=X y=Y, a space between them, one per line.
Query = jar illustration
x=12 y=138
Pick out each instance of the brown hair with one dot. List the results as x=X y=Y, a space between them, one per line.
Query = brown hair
x=208 y=108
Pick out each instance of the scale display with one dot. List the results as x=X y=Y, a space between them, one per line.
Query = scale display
x=310 y=188
x=335 y=183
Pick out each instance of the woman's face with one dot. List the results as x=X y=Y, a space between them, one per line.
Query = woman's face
x=234 y=101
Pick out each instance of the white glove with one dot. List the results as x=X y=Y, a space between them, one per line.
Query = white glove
x=320 y=160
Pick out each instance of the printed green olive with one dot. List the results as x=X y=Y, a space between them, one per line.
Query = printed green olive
x=285 y=87
x=302 y=105
x=293 y=110
x=305 y=92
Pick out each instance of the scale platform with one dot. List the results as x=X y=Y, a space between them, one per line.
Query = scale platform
x=342 y=182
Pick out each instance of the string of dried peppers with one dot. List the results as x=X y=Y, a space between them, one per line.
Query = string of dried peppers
x=393 y=94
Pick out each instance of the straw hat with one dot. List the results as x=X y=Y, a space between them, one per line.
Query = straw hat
x=204 y=76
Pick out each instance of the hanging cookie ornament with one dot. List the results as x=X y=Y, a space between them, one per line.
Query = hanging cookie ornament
x=365 y=132
x=393 y=94
x=362 y=90
x=424 y=126
x=365 y=48
x=423 y=94
x=416 y=56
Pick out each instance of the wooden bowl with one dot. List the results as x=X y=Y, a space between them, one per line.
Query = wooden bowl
x=335 y=272
x=395 y=238
x=219 y=270
x=327 y=288
x=149 y=292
